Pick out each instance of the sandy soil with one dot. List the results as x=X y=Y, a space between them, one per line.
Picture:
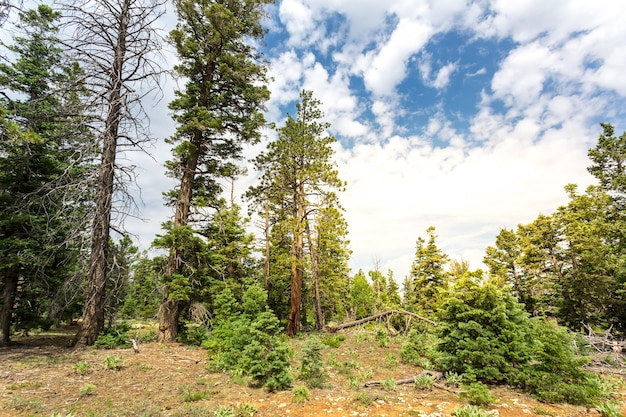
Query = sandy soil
x=38 y=377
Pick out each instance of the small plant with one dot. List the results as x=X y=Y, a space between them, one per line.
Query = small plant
x=362 y=337
x=86 y=390
x=391 y=360
x=334 y=341
x=388 y=384
x=367 y=374
x=114 y=337
x=478 y=394
x=192 y=410
x=609 y=360
x=353 y=382
x=189 y=396
x=81 y=368
x=382 y=338
x=223 y=411
x=19 y=403
x=424 y=382
x=609 y=408
x=363 y=398
x=469 y=411
x=543 y=411
x=113 y=362
x=246 y=410
x=453 y=379
x=300 y=394
x=312 y=369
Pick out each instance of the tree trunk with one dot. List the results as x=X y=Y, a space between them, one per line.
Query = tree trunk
x=267 y=246
x=8 y=298
x=315 y=275
x=93 y=315
x=169 y=311
x=334 y=329
x=296 y=264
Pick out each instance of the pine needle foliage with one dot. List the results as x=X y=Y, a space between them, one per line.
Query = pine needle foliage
x=247 y=340
x=486 y=336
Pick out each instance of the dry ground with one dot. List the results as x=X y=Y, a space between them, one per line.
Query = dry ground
x=38 y=378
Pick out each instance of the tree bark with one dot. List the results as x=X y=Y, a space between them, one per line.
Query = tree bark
x=296 y=263
x=8 y=298
x=93 y=315
x=315 y=275
x=267 y=245
x=169 y=312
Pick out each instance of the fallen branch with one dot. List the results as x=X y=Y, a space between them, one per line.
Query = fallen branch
x=334 y=329
x=135 y=345
x=435 y=375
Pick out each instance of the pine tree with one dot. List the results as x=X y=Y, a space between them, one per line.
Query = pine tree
x=40 y=162
x=217 y=111
x=299 y=178
x=428 y=277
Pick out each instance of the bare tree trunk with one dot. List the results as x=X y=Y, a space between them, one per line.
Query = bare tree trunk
x=93 y=315
x=334 y=329
x=8 y=298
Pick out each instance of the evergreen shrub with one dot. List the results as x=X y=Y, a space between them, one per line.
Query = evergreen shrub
x=486 y=336
x=114 y=337
x=249 y=342
x=312 y=368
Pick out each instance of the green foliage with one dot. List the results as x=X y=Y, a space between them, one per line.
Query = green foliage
x=113 y=337
x=364 y=398
x=189 y=396
x=143 y=296
x=223 y=411
x=246 y=410
x=333 y=341
x=81 y=368
x=300 y=394
x=388 y=384
x=86 y=390
x=611 y=408
x=361 y=296
x=312 y=368
x=469 y=411
x=483 y=332
x=192 y=334
x=487 y=337
x=478 y=393
x=418 y=345
x=43 y=216
x=382 y=337
x=428 y=277
x=113 y=362
x=424 y=382
x=249 y=342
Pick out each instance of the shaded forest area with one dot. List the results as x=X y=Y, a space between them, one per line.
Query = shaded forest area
x=71 y=86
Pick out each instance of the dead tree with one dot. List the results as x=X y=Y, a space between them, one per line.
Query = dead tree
x=115 y=42
x=334 y=329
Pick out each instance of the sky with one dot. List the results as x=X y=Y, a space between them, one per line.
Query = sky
x=469 y=116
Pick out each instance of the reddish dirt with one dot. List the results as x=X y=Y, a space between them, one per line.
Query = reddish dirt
x=37 y=377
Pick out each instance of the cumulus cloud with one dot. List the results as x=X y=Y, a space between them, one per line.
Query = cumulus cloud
x=550 y=71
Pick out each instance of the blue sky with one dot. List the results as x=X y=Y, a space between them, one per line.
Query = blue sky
x=469 y=116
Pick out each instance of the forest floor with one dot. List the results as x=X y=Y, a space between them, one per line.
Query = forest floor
x=40 y=376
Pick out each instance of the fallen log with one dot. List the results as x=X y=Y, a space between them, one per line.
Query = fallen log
x=436 y=377
x=334 y=329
